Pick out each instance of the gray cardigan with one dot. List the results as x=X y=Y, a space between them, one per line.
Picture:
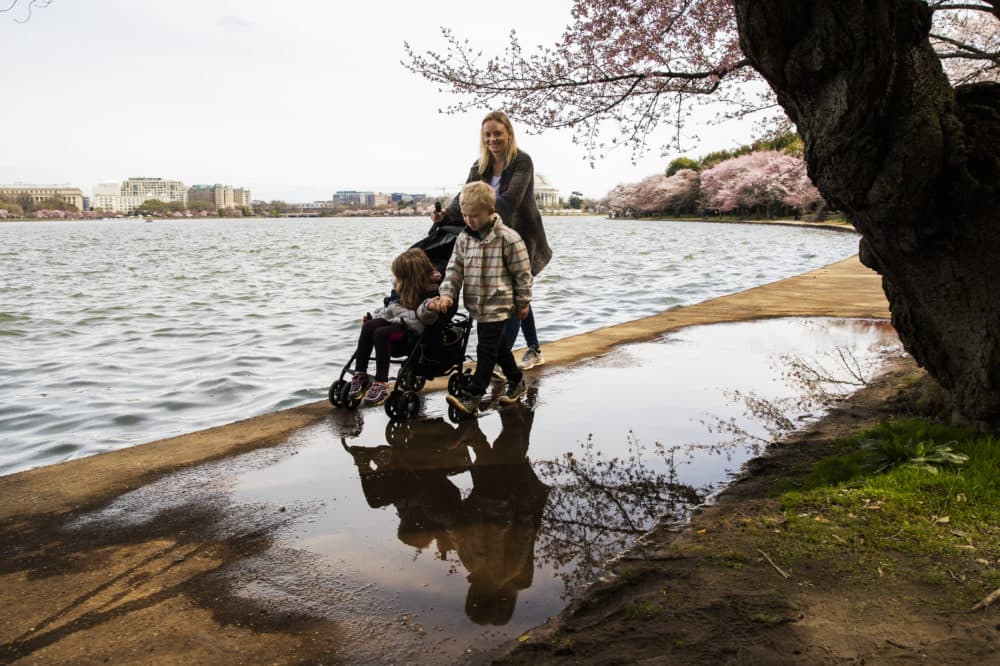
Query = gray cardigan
x=516 y=206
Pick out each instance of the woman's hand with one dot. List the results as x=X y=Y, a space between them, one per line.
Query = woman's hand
x=522 y=311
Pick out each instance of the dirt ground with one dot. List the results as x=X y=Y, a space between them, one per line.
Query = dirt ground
x=157 y=593
x=705 y=593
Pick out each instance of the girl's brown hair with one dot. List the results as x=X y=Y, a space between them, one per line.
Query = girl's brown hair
x=485 y=157
x=411 y=270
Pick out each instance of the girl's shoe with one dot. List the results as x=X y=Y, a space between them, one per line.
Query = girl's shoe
x=376 y=395
x=360 y=383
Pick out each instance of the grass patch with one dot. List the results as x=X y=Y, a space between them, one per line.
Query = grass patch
x=888 y=493
x=643 y=610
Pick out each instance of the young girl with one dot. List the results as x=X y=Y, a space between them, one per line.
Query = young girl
x=415 y=281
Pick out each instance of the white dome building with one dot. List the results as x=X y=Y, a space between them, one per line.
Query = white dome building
x=546 y=196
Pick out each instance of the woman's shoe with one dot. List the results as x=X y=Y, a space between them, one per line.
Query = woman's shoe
x=533 y=357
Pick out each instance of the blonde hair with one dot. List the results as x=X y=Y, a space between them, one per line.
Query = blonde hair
x=485 y=156
x=478 y=194
x=411 y=270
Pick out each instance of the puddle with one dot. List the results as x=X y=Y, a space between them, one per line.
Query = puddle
x=431 y=539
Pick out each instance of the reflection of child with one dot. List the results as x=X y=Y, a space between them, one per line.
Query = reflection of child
x=413 y=276
x=490 y=266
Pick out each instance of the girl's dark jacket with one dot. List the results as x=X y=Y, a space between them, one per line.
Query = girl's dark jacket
x=516 y=207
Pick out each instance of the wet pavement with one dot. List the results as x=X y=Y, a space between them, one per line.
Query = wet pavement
x=431 y=540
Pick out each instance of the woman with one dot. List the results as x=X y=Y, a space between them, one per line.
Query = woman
x=512 y=175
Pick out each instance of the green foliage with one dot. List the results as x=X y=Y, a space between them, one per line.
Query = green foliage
x=643 y=610
x=198 y=206
x=12 y=207
x=871 y=500
x=926 y=455
x=54 y=204
x=786 y=142
x=157 y=207
x=576 y=200
x=682 y=163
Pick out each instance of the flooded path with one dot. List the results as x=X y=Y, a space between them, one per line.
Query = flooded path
x=434 y=538
x=421 y=541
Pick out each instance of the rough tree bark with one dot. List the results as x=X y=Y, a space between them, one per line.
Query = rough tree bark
x=913 y=164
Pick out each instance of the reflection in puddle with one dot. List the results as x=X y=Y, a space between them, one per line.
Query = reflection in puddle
x=428 y=539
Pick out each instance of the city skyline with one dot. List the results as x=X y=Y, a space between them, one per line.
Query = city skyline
x=293 y=104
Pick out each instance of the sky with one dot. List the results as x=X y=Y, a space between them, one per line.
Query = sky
x=292 y=100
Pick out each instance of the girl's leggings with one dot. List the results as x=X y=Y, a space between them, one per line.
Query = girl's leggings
x=377 y=334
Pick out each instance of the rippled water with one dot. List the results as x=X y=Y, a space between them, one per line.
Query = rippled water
x=118 y=333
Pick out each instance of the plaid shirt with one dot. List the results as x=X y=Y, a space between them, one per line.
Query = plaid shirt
x=494 y=270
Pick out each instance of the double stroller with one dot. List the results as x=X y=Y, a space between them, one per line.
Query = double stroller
x=437 y=352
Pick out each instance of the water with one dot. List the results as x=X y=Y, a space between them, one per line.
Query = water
x=424 y=540
x=117 y=333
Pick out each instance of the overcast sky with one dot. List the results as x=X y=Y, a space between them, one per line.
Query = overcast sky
x=293 y=100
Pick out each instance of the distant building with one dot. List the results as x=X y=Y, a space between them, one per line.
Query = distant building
x=319 y=205
x=39 y=193
x=167 y=191
x=398 y=197
x=221 y=196
x=131 y=194
x=358 y=199
x=351 y=198
x=375 y=200
x=546 y=196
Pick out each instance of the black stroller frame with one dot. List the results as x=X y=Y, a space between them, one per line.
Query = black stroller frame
x=437 y=352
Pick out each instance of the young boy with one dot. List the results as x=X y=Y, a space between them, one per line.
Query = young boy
x=491 y=262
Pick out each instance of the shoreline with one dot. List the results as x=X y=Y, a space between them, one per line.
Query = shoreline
x=36 y=503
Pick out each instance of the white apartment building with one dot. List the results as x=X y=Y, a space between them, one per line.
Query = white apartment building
x=126 y=197
x=221 y=196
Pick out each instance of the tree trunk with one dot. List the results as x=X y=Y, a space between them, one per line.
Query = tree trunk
x=913 y=164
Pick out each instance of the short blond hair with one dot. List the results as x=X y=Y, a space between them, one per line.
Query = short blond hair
x=478 y=194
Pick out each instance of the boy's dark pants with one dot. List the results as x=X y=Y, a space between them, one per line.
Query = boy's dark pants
x=492 y=349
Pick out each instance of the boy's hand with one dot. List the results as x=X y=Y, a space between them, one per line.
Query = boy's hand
x=441 y=304
x=522 y=311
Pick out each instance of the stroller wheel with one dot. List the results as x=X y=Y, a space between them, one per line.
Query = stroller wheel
x=460 y=381
x=392 y=405
x=408 y=380
x=455 y=415
x=335 y=392
x=396 y=433
x=409 y=405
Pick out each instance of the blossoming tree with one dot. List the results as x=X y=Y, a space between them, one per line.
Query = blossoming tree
x=910 y=155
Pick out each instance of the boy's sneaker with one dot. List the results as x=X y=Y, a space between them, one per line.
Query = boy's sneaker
x=533 y=357
x=465 y=402
x=360 y=383
x=514 y=392
x=376 y=395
